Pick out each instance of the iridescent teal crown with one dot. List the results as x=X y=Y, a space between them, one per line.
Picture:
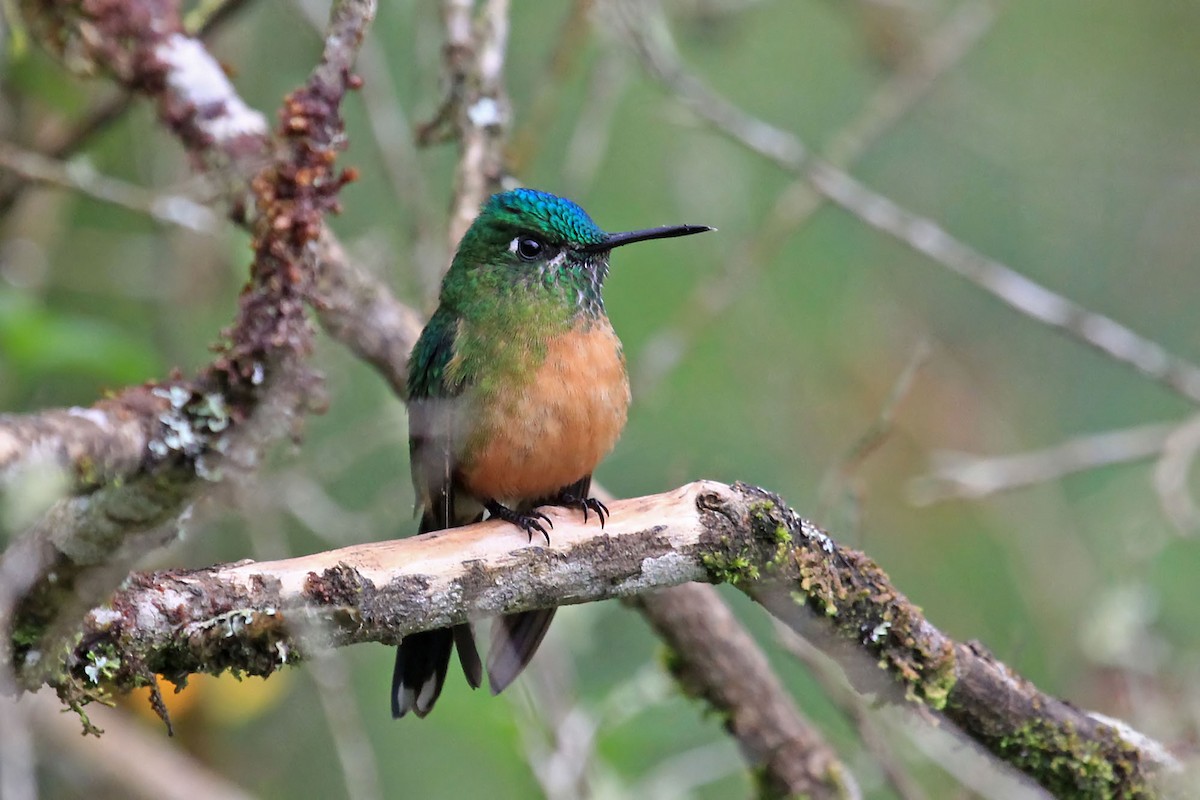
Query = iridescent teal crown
x=556 y=218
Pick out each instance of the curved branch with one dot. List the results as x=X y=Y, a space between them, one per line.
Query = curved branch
x=255 y=617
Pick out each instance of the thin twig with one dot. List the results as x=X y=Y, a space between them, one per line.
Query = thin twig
x=558 y=734
x=475 y=57
x=569 y=46
x=1180 y=449
x=588 y=145
x=202 y=22
x=79 y=176
x=796 y=204
x=962 y=476
x=652 y=44
x=393 y=137
x=838 y=484
x=680 y=775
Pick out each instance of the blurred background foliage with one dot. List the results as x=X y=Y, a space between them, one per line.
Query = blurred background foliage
x=1064 y=143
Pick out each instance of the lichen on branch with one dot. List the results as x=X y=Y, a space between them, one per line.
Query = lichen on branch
x=256 y=617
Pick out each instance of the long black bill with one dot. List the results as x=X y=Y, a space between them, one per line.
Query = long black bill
x=629 y=237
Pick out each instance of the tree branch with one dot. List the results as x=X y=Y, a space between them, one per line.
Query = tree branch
x=255 y=617
x=113 y=106
x=258 y=386
x=713 y=657
x=80 y=177
x=476 y=109
x=652 y=44
x=958 y=476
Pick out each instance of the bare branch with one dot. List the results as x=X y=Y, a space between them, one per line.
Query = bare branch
x=358 y=310
x=796 y=204
x=256 y=388
x=1180 y=449
x=838 y=486
x=112 y=438
x=970 y=477
x=201 y=22
x=652 y=44
x=80 y=177
x=731 y=674
x=570 y=41
x=476 y=110
x=255 y=617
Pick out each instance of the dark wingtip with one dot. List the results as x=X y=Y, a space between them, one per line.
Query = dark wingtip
x=468 y=655
x=515 y=638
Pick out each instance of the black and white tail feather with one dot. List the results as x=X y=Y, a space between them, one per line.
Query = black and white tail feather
x=423 y=658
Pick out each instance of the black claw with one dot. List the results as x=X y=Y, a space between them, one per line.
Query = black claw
x=568 y=499
x=597 y=506
x=529 y=522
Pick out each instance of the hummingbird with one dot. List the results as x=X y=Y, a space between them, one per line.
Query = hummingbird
x=517 y=389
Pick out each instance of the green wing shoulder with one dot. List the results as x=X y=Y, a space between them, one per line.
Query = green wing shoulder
x=430 y=360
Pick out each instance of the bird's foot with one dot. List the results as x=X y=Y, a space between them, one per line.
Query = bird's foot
x=529 y=522
x=568 y=499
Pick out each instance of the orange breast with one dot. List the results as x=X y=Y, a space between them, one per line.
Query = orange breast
x=555 y=429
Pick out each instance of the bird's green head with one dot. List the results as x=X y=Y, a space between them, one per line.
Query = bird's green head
x=538 y=246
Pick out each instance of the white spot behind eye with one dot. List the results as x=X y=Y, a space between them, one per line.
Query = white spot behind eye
x=512 y=246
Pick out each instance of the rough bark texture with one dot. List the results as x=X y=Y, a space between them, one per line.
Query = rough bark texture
x=255 y=617
x=176 y=435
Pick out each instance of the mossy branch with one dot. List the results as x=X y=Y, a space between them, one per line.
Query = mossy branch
x=256 y=617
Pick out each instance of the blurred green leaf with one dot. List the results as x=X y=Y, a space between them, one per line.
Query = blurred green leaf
x=35 y=343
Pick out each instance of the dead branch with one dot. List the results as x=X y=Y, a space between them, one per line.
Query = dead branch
x=80 y=177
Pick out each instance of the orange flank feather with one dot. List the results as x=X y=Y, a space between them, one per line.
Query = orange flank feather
x=554 y=430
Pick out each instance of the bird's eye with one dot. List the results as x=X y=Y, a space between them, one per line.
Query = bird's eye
x=529 y=249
